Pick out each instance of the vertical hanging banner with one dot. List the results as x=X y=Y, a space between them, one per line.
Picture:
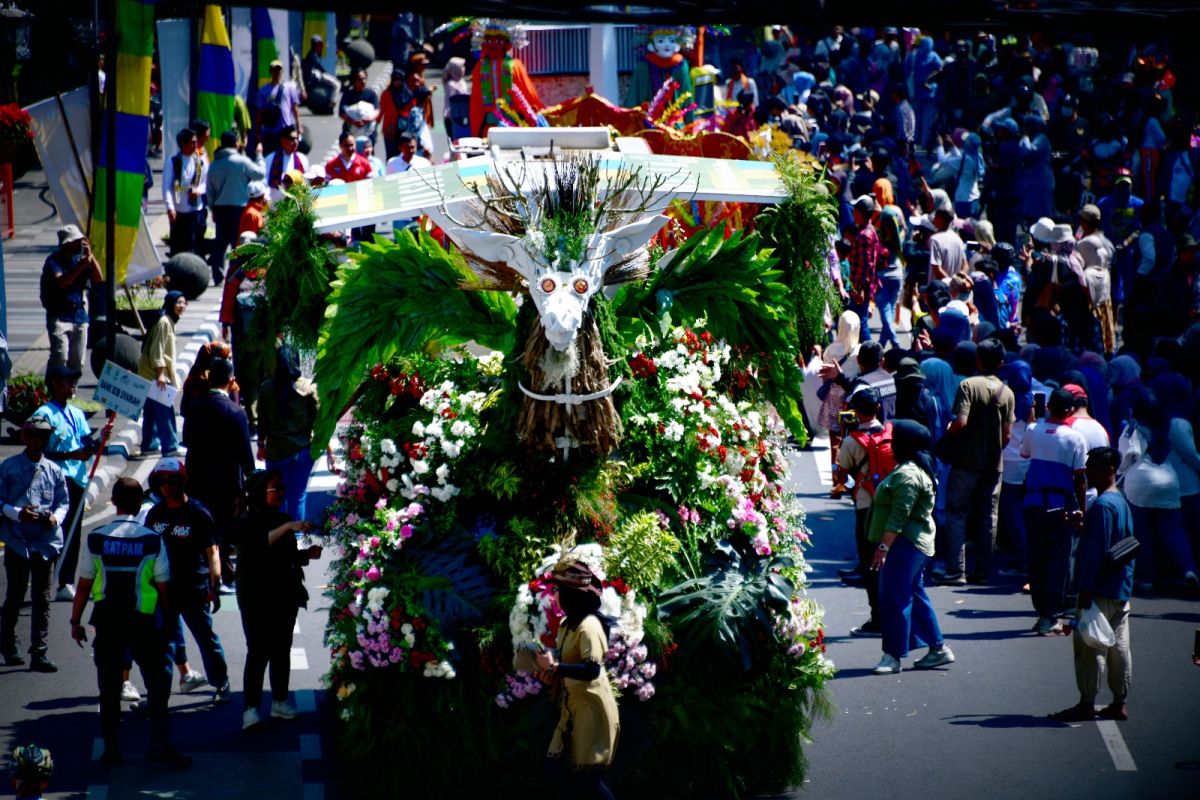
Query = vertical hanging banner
x=320 y=23
x=214 y=76
x=266 y=49
x=135 y=47
x=241 y=36
x=175 y=67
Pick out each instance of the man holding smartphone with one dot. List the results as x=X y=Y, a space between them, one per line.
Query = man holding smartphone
x=34 y=502
x=64 y=285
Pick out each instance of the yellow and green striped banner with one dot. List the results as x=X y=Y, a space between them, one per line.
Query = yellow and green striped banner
x=266 y=49
x=134 y=30
x=215 y=84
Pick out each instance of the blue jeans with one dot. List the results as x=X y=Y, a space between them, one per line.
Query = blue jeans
x=295 y=471
x=908 y=618
x=1163 y=542
x=1010 y=523
x=158 y=428
x=1049 y=559
x=864 y=316
x=199 y=621
x=885 y=301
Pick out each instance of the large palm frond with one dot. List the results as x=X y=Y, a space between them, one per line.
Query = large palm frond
x=396 y=298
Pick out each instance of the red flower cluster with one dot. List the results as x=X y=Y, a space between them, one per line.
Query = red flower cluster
x=643 y=366
x=15 y=124
x=414 y=450
x=618 y=584
x=399 y=382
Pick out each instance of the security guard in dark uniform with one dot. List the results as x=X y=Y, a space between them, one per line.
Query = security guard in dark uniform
x=124 y=568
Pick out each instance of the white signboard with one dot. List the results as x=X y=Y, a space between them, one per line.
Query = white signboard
x=121 y=391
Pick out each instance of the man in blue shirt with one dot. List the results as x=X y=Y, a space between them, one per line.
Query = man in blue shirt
x=65 y=278
x=1121 y=216
x=33 y=499
x=71 y=447
x=1107 y=586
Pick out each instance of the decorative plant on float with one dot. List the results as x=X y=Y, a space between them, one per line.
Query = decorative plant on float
x=632 y=407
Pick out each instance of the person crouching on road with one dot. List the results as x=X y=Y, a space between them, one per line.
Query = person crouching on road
x=125 y=570
x=901 y=522
x=1109 y=586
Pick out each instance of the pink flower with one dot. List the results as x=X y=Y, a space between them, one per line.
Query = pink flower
x=373 y=573
x=406 y=531
x=375 y=541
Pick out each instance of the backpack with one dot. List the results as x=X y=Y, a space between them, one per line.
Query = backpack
x=880 y=460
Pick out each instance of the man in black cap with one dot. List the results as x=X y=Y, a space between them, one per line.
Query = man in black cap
x=34 y=502
x=71 y=447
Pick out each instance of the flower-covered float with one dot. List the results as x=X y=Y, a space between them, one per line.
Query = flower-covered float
x=555 y=382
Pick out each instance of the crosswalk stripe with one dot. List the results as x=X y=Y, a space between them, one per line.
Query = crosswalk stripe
x=299 y=659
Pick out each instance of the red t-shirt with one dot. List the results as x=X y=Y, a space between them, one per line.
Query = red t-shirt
x=359 y=169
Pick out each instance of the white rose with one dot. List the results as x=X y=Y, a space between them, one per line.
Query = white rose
x=419 y=466
x=418 y=428
x=443 y=472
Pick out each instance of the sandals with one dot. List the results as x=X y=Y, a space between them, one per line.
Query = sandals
x=1073 y=714
x=1116 y=711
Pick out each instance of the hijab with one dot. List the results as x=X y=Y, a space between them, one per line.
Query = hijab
x=972 y=153
x=984 y=295
x=454 y=77
x=168 y=307
x=941 y=380
x=911 y=442
x=1124 y=372
x=849 y=329
x=1019 y=377
x=1174 y=394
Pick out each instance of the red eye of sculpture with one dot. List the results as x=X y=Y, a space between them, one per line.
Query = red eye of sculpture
x=548 y=285
x=581 y=286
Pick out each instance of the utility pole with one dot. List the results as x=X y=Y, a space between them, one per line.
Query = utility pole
x=110 y=187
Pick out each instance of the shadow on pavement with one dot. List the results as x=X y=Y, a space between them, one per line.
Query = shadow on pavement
x=1003 y=721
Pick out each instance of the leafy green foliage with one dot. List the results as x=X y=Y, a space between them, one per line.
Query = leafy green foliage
x=514 y=554
x=799 y=230
x=735 y=285
x=396 y=298
x=724 y=614
x=298 y=267
x=640 y=550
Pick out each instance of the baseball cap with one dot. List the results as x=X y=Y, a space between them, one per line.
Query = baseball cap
x=922 y=221
x=1090 y=213
x=1077 y=390
x=316 y=39
x=38 y=422
x=1123 y=176
x=168 y=465
x=62 y=371
x=256 y=189
x=68 y=234
x=276 y=63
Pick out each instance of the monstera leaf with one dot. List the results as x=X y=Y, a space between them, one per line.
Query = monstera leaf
x=734 y=285
x=724 y=614
x=396 y=298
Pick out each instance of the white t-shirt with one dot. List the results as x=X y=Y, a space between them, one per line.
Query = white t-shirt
x=1016 y=467
x=397 y=164
x=946 y=250
x=1093 y=432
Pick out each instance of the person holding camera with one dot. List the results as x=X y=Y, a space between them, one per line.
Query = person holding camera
x=270 y=591
x=64 y=284
x=33 y=494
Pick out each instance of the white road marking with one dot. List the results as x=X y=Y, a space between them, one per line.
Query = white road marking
x=820 y=451
x=1121 y=757
x=310 y=747
x=296 y=627
x=299 y=659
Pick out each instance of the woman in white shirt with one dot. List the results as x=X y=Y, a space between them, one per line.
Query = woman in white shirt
x=1152 y=488
x=1010 y=519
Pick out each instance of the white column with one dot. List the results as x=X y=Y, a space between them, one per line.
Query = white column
x=602 y=61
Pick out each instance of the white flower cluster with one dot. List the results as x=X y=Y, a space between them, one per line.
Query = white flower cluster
x=439 y=669
x=376 y=598
x=528 y=621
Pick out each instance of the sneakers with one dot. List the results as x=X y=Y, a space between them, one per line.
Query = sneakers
x=869 y=629
x=1192 y=581
x=1048 y=626
x=40 y=663
x=951 y=580
x=222 y=694
x=853 y=572
x=250 y=719
x=129 y=692
x=935 y=658
x=282 y=709
x=65 y=594
x=227 y=589
x=13 y=659
x=191 y=682
x=887 y=665
x=171 y=759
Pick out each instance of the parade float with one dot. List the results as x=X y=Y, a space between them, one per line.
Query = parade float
x=556 y=382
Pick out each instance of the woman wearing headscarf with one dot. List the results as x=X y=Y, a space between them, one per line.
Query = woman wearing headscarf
x=1035 y=175
x=1125 y=377
x=1174 y=394
x=914 y=401
x=901 y=522
x=455 y=85
x=1010 y=519
x=588 y=728
x=1094 y=369
x=1152 y=489
x=270 y=591
x=196 y=385
x=157 y=364
x=963 y=172
x=287 y=410
x=891 y=236
x=843 y=352
x=943 y=383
